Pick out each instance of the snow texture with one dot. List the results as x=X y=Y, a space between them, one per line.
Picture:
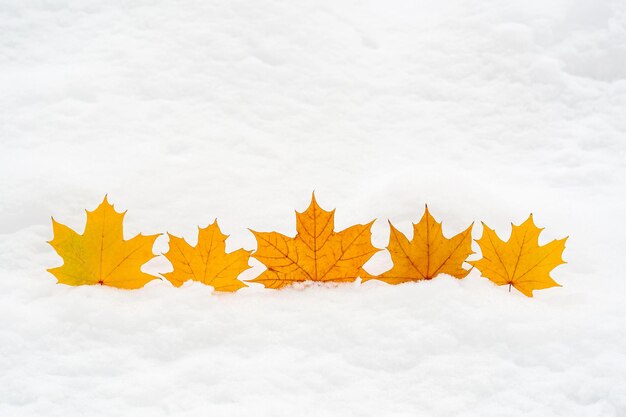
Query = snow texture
x=190 y=110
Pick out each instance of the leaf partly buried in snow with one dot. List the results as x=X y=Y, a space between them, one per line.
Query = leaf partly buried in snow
x=427 y=255
x=520 y=262
x=101 y=255
x=317 y=253
x=207 y=262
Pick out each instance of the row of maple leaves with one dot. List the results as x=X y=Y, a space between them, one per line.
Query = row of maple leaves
x=317 y=253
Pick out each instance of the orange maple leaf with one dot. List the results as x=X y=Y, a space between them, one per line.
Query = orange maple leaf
x=101 y=255
x=428 y=254
x=520 y=262
x=317 y=253
x=207 y=262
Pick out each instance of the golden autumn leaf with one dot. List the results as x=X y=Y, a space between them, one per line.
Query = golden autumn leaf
x=101 y=255
x=428 y=254
x=207 y=262
x=520 y=262
x=317 y=253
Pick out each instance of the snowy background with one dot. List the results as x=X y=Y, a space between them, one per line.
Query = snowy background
x=190 y=110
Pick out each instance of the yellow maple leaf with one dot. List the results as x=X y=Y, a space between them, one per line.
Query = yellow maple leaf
x=317 y=253
x=101 y=255
x=520 y=262
x=207 y=262
x=427 y=255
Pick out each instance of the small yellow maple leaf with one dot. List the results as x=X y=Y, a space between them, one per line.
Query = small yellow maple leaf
x=427 y=255
x=207 y=262
x=317 y=253
x=101 y=255
x=520 y=262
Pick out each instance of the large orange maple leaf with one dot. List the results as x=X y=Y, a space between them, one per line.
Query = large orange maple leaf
x=428 y=254
x=317 y=253
x=520 y=262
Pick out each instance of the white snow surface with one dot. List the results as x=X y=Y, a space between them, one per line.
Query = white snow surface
x=190 y=110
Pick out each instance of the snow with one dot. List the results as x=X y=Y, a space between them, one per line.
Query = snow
x=190 y=110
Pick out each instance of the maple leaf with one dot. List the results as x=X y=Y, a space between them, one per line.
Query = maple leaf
x=207 y=262
x=427 y=255
x=520 y=262
x=317 y=253
x=101 y=255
